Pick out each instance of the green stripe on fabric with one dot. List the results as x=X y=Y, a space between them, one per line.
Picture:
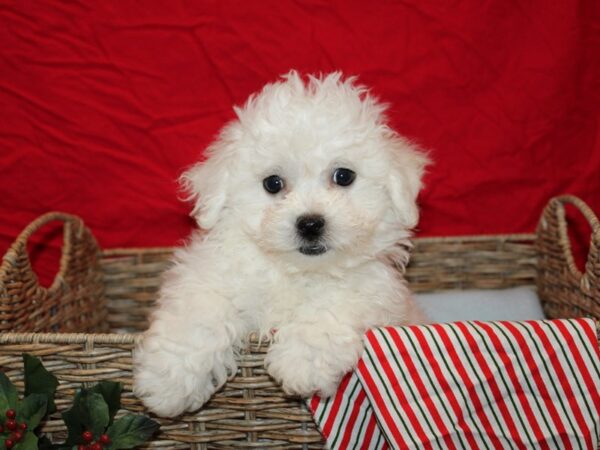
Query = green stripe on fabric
x=378 y=443
x=368 y=353
x=348 y=408
x=591 y=358
x=583 y=339
x=501 y=374
x=559 y=394
x=525 y=375
x=326 y=406
x=408 y=385
x=362 y=424
x=433 y=385
x=574 y=372
x=482 y=384
x=456 y=383
x=585 y=345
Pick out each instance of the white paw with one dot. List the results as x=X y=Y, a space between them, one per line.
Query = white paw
x=173 y=380
x=305 y=368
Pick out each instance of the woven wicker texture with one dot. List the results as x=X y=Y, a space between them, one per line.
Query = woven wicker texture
x=252 y=411
x=475 y=262
x=74 y=301
x=564 y=290
x=132 y=276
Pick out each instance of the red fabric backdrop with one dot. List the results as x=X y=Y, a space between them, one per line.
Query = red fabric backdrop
x=102 y=104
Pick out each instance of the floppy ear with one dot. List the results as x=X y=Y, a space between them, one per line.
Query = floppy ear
x=405 y=179
x=206 y=185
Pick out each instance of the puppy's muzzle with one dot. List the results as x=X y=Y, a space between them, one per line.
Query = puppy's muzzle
x=310 y=229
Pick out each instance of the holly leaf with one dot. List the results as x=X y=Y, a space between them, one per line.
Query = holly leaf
x=32 y=410
x=131 y=430
x=8 y=395
x=111 y=392
x=73 y=420
x=29 y=442
x=39 y=381
x=96 y=414
x=89 y=412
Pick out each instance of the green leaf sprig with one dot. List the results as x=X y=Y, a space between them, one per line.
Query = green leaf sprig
x=90 y=422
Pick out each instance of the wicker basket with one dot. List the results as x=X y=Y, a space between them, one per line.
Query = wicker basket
x=115 y=289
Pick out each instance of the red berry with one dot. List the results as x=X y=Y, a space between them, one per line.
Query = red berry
x=104 y=439
x=11 y=414
x=83 y=447
x=1 y=429
x=96 y=446
x=9 y=443
x=87 y=436
x=23 y=426
x=11 y=424
x=16 y=436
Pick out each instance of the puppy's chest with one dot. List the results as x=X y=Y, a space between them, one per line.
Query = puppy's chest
x=275 y=298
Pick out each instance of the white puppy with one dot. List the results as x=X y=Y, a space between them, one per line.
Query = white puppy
x=304 y=200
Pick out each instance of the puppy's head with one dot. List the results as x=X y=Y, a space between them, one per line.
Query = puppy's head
x=311 y=174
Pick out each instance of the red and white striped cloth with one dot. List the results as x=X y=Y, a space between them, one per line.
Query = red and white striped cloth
x=470 y=385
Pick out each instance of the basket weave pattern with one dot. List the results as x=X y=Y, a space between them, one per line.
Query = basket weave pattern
x=564 y=290
x=74 y=301
x=251 y=411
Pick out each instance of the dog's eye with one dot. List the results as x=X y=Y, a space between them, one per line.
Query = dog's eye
x=343 y=177
x=273 y=184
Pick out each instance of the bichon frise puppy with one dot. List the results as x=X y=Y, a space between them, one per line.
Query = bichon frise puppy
x=304 y=200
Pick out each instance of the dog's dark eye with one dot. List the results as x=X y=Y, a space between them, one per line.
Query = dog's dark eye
x=343 y=177
x=273 y=184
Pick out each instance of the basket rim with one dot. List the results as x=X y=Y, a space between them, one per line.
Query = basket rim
x=70 y=338
x=117 y=338
x=116 y=251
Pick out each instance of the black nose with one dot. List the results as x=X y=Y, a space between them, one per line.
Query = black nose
x=310 y=226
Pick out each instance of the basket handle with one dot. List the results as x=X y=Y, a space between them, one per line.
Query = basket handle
x=74 y=231
x=554 y=216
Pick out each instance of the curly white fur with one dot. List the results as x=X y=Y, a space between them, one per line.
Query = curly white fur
x=244 y=271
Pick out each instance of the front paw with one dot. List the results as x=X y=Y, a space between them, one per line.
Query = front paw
x=303 y=368
x=164 y=391
x=172 y=381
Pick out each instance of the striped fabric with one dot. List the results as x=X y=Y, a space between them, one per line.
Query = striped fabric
x=347 y=420
x=470 y=385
